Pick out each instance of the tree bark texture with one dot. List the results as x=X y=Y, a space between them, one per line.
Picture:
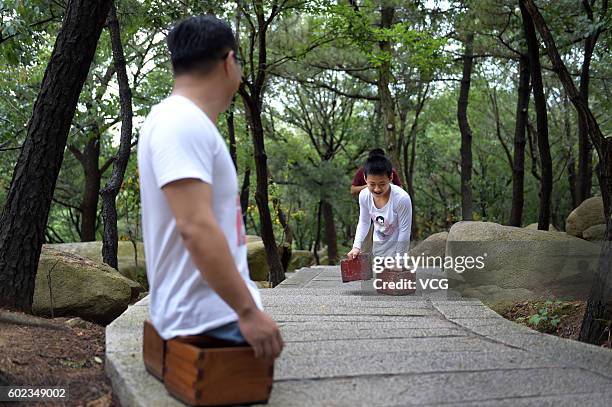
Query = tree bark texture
x=26 y=210
x=585 y=169
x=518 y=160
x=539 y=98
x=231 y=132
x=599 y=306
x=330 y=232
x=277 y=274
x=244 y=194
x=110 y=239
x=466 y=131
x=387 y=106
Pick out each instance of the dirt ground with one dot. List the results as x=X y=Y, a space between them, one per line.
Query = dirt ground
x=55 y=352
x=70 y=352
x=555 y=317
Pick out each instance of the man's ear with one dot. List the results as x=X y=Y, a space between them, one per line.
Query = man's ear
x=226 y=64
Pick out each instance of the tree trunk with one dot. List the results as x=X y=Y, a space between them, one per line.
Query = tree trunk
x=89 y=202
x=599 y=306
x=286 y=246
x=318 y=234
x=518 y=161
x=330 y=232
x=598 y=315
x=546 y=182
x=571 y=161
x=466 y=131
x=26 y=210
x=585 y=169
x=387 y=107
x=409 y=161
x=110 y=239
x=244 y=194
x=277 y=274
x=231 y=132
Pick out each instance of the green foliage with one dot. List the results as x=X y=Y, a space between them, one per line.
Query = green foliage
x=323 y=57
x=548 y=315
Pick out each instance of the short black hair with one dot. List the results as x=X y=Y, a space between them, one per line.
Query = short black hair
x=198 y=43
x=378 y=165
x=376 y=151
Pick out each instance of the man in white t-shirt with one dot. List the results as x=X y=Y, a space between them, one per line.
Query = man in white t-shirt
x=192 y=223
x=389 y=208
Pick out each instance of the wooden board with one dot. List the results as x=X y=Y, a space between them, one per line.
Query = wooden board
x=153 y=349
x=216 y=376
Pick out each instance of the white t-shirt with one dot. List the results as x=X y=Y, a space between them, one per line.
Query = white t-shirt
x=392 y=222
x=179 y=141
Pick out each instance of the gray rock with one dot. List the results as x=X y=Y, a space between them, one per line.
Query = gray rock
x=258 y=264
x=587 y=214
x=514 y=258
x=131 y=264
x=595 y=233
x=253 y=238
x=434 y=245
x=76 y=323
x=534 y=226
x=80 y=287
x=299 y=259
x=497 y=297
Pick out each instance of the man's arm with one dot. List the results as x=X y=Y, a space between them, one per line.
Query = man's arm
x=191 y=203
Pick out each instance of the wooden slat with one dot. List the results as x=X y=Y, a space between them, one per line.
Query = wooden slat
x=250 y=378
x=184 y=350
x=153 y=351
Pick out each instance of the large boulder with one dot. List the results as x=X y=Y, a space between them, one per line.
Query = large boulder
x=258 y=264
x=299 y=259
x=131 y=262
x=589 y=213
x=534 y=226
x=595 y=233
x=499 y=298
x=513 y=258
x=433 y=246
x=253 y=238
x=80 y=287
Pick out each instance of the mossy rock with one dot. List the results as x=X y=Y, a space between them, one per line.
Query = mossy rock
x=534 y=226
x=131 y=266
x=515 y=258
x=595 y=233
x=434 y=245
x=81 y=287
x=589 y=213
x=299 y=259
x=499 y=298
x=258 y=263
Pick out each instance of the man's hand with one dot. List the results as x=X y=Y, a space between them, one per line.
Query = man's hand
x=353 y=253
x=262 y=333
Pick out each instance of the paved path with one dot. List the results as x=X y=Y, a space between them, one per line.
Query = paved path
x=345 y=347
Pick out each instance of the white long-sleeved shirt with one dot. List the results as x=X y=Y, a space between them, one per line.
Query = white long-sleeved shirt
x=392 y=222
